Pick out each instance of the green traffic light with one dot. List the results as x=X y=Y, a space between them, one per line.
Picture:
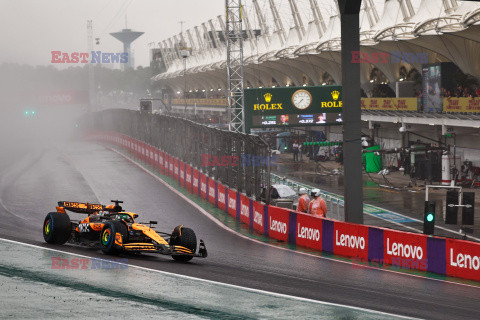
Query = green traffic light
x=26 y=113
x=430 y=217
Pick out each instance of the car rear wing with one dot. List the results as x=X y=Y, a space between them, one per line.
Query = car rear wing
x=80 y=207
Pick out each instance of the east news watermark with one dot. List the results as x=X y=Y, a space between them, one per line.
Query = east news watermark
x=88 y=263
x=244 y=160
x=89 y=57
x=389 y=57
x=396 y=263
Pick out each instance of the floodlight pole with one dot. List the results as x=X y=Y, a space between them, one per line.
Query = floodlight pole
x=352 y=123
x=234 y=37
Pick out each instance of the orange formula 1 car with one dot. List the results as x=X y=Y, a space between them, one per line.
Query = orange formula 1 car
x=116 y=231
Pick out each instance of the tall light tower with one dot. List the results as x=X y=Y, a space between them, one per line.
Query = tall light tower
x=234 y=35
x=127 y=36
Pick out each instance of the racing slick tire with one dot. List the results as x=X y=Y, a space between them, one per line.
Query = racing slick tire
x=107 y=237
x=184 y=237
x=57 y=228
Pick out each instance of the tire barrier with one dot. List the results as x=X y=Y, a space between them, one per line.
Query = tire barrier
x=365 y=244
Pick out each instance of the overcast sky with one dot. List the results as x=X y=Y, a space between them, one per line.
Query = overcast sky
x=31 y=29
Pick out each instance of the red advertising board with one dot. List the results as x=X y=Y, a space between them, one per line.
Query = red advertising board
x=188 y=177
x=135 y=149
x=211 y=191
x=196 y=176
x=151 y=155
x=309 y=231
x=203 y=186
x=181 y=165
x=405 y=250
x=161 y=164
x=463 y=259
x=278 y=223
x=221 y=196
x=147 y=151
x=142 y=151
x=67 y=97
x=232 y=203
x=176 y=169
x=258 y=217
x=155 y=159
x=170 y=166
x=350 y=240
x=244 y=209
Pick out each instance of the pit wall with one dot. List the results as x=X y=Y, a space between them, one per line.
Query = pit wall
x=456 y=258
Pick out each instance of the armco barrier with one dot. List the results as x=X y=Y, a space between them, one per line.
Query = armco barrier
x=399 y=249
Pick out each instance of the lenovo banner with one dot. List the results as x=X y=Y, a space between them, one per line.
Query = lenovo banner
x=62 y=98
x=143 y=151
x=147 y=151
x=232 y=203
x=151 y=155
x=196 y=180
x=155 y=160
x=160 y=162
x=175 y=169
x=203 y=186
x=211 y=192
x=170 y=166
x=222 y=197
x=278 y=223
x=135 y=149
x=245 y=213
x=181 y=164
x=188 y=177
x=350 y=240
x=405 y=250
x=309 y=231
x=259 y=217
x=463 y=259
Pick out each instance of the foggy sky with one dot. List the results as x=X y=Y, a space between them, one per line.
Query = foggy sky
x=31 y=29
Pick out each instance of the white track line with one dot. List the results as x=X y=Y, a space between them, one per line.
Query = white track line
x=274 y=294
x=220 y=224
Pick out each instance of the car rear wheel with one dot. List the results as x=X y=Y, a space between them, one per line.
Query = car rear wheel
x=184 y=237
x=108 y=234
x=57 y=228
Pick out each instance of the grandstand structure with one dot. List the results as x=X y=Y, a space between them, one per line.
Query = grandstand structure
x=297 y=43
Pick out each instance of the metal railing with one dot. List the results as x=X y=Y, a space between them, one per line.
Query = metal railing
x=239 y=161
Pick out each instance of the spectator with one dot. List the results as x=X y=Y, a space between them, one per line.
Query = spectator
x=295 y=148
x=303 y=201
x=317 y=206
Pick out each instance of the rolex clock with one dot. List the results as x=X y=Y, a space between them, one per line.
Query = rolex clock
x=301 y=99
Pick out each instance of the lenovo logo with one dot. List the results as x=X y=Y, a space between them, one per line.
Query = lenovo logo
x=404 y=250
x=350 y=241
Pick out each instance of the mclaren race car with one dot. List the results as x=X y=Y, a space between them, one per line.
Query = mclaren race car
x=115 y=231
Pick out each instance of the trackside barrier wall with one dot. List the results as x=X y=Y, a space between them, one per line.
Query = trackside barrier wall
x=402 y=250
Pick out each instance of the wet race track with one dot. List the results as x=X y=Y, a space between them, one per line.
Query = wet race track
x=34 y=178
